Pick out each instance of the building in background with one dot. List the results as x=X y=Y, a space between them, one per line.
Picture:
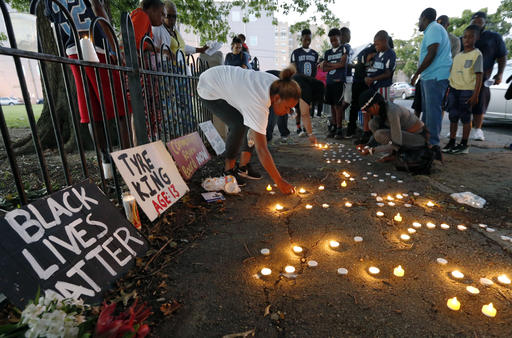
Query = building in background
x=259 y=33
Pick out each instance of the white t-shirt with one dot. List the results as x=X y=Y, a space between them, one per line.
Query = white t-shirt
x=246 y=90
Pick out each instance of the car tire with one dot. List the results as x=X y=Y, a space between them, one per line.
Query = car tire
x=404 y=96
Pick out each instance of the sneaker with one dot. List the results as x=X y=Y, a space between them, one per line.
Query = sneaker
x=438 y=155
x=241 y=182
x=331 y=134
x=303 y=134
x=283 y=140
x=299 y=130
x=460 y=149
x=248 y=172
x=448 y=148
x=478 y=135
x=339 y=134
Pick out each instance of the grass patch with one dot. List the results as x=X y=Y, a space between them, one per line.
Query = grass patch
x=16 y=116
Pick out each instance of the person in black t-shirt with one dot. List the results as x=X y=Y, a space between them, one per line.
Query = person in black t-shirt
x=305 y=61
x=361 y=66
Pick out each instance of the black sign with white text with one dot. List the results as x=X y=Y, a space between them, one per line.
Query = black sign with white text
x=74 y=242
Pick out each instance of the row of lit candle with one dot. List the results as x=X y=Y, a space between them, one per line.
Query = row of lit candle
x=488 y=309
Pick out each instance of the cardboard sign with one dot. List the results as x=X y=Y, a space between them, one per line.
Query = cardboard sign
x=213 y=137
x=189 y=153
x=74 y=242
x=152 y=177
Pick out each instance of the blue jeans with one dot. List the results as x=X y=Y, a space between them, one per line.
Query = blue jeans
x=282 y=124
x=432 y=95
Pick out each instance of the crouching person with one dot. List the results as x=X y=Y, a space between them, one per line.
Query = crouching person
x=241 y=99
x=393 y=126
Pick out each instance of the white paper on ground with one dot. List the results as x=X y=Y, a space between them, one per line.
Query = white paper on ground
x=469 y=198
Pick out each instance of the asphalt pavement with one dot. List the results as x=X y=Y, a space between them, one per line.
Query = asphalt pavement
x=497 y=134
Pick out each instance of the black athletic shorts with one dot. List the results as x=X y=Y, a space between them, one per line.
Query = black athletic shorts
x=311 y=88
x=334 y=93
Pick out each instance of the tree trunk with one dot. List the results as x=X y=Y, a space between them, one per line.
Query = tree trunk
x=57 y=91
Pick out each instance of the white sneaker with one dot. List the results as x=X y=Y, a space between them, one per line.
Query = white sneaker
x=303 y=134
x=478 y=135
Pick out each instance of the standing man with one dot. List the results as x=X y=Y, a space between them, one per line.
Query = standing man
x=435 y=63
x=334 y=63
x=493 y=49
x=305 y=60
x=454 y=40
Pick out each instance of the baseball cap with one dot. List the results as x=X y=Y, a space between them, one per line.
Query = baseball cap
x=482 y=15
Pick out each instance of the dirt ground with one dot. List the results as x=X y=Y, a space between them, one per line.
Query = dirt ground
x=215 y=279
x=200 y=273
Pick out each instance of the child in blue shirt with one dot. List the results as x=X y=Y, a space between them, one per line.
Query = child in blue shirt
x=335 y=61
x=305 y=61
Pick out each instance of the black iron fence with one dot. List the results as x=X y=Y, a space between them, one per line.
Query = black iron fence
x=154 y=87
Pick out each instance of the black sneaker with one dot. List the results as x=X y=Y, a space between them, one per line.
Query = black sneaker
x=299 y=130
x=248 y=172
x=460 y=149
x=331 y=134
x=448 y=148
x=241 y=182
x=438 y=155
x=339 y=134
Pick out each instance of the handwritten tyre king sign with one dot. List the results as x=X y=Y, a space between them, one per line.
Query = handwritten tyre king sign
x=152 y=177
x=74 y=242
x=213 y=137
x=189 y=153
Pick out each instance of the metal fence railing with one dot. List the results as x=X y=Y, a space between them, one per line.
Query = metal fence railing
x=157 y=90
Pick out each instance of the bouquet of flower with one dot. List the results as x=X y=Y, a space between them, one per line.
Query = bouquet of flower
x=49 y=316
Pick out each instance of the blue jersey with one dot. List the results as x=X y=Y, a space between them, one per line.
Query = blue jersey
x=382 y=61
x=82 y=14
x=305 y=60
x=334 y=56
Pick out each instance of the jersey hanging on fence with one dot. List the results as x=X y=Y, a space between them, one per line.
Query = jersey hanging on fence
x=82 y=15
x=305 y=60
x=74 y=242
x=152 y=177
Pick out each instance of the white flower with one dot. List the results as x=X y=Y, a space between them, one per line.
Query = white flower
x=50 y=296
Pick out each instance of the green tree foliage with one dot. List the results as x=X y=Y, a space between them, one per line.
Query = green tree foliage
x=208 y=18
x=408 y=53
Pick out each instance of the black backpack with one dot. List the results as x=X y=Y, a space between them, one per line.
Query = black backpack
x=415 y=160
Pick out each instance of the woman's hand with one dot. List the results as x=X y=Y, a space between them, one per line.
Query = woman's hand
x=285 y=187
x=363 y=150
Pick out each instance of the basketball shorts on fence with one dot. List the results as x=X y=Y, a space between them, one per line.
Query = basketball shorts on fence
x=94 y=95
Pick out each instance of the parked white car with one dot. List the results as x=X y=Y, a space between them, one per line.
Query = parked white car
x=500 y=109
x=9 y=101
x=402 y=89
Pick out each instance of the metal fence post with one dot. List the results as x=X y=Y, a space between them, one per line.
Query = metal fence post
x=134 y=85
